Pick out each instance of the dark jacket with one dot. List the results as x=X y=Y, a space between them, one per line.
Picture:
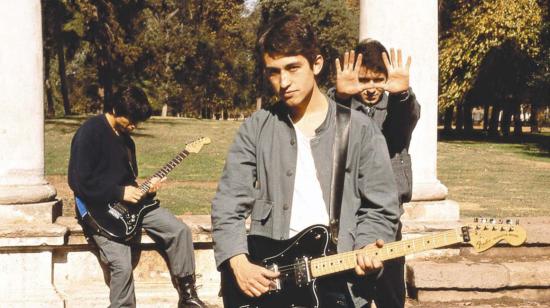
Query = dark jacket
x=258 y=181
x=101 y=162
x=397 y=119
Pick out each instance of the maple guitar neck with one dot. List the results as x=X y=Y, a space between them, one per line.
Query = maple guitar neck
x=348 y=260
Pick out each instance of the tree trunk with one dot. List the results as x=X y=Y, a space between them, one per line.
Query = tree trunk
x=468 y=121
x=61 y=67
x=506 y=120
x=50 y=112
x=459 y=118
x=448 y=121
x=518 y=124
x=534 y=119
x=493 y=126
x=106 y=80
x=486 y=117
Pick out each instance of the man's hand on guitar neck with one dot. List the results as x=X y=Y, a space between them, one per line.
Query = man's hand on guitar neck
x=366 y=264
x=155 y=184
x=253 y=280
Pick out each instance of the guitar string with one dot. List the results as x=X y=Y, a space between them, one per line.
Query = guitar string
x=371 y=251
x=183 y=154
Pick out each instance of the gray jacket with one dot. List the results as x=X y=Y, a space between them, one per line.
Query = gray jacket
x=397 y=119
x=258 y=181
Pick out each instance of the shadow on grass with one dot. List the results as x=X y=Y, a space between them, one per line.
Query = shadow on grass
x=69 y=125
x=535 y=145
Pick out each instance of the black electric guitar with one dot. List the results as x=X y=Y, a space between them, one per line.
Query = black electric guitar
x=120 y=220
x=304 y=259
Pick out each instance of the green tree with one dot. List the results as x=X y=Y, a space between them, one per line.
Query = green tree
x=478 y=41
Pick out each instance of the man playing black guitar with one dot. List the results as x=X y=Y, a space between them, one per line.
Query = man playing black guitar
x=103 y=169
x=278 y=172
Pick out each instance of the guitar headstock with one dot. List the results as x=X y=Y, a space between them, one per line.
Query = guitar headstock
x=485 y=233
x=196 y=146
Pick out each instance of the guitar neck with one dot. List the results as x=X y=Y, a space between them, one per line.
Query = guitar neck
x=345 y=261
x=164 y=170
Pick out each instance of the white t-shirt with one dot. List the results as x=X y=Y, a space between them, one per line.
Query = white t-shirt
x=308 y=205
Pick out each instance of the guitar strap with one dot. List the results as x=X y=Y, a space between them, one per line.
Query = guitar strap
x=340 y=151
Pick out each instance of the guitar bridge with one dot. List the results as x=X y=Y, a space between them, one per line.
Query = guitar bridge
x=276 y=283
x=302 y=274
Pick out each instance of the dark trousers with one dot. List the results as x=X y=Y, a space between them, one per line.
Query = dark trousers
x=174 y=238
x=386 y=290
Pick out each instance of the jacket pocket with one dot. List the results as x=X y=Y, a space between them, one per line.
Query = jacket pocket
x=261 y=211
x=401 y=164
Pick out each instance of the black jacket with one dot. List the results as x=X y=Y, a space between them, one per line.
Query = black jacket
x=101 y=162
x=397 y=119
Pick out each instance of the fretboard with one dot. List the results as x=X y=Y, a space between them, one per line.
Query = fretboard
x=346 y=261
x=164 y=170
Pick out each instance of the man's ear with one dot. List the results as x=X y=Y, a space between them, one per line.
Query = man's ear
x=318 y=64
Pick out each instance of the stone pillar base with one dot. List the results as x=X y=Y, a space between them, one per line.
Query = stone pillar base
x=442 y=210
x=39 y=298
x=27 y=280
x=43 y=212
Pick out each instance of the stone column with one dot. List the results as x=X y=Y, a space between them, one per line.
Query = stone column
x=412 y=26
x=24 y=194
x=27 y=202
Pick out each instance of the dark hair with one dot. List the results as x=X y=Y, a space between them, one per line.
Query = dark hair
x=132 y=102
x=288 y=36
x=372 y=55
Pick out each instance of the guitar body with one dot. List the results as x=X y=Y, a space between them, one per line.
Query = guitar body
x=121 y=221
x=295 y=287
x=305 y=259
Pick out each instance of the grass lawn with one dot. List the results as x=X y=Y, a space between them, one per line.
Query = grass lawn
x=486 y=178
x=495 y=178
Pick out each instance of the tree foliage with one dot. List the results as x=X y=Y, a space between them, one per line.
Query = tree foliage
x=197 y=57
x=474 y=32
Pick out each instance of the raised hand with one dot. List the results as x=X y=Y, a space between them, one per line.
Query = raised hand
x=398 y=75
x=347 y=77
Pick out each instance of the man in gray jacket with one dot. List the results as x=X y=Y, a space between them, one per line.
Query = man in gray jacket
x=361 y=84
x=278 y=170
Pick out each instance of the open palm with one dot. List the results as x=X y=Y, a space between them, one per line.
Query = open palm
x=347 y=76
x=398 y=74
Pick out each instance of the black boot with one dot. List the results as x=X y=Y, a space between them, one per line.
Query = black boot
x=188 y=292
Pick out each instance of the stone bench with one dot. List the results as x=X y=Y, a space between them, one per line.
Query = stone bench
x=515 y=273
x=66 y=272
x=60 y=262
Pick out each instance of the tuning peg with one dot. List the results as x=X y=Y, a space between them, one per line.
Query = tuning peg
x=508 y=221
x=500 y=221
x=476 y=219
x=492 y=221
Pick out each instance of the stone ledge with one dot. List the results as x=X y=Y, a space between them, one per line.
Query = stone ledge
x=488 y=275
x=537 y=228
x=38 y=234
x=161 y=295
x=538 y=298
x=200 y=226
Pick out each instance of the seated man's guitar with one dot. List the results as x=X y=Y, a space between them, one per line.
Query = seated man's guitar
x=303 y=259
x=119 y=220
